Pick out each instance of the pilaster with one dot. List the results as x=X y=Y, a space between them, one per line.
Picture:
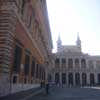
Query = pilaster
x=7 y=33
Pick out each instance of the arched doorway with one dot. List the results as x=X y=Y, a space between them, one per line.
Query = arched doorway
x=63 y=78
x=98 y=76
x=92 y=80
x=70 y=79
x=84 y=79
x=57 y=78
x=77 y=79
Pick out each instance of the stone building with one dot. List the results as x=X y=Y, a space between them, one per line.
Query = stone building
x=25 y=44
x=71 y=67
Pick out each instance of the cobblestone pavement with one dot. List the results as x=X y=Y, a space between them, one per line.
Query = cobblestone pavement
x=69 y=94
x=23 y=95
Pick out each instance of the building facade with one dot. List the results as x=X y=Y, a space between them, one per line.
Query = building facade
x=25 y=44
x=71 y=67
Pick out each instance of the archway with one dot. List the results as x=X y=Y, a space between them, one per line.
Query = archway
x=57 y=78
x=70 y=79
x=92 y=80
x=77 y=79
x=63 y=78
x=84 y=79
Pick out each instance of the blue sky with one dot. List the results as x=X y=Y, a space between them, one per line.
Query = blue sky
x=68 y=17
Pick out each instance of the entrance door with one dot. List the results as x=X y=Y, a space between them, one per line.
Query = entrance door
x=77 y=79
x=63 y=78
x=84 y=79
x=70 y=79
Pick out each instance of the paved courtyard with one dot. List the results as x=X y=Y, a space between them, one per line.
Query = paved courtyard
x=69 y=94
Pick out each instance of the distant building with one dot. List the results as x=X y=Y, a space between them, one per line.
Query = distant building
x=25 y=44
x=71 y=67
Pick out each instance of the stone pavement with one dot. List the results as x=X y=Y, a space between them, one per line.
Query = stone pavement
x=23 y=95
x=69 y=94
x=57 y=93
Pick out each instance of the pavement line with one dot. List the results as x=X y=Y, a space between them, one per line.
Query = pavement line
x=33 y=94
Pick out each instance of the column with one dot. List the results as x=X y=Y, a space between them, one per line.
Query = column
x=94 y=64
x=81 y=78
x=66 y=63
x=73 y=78
x=53 y=76
x=74 y=64
x=35 y=72
x=60 y=78
x=88 y=78
x=21 y=77
x=87 y=65
x=96 y=78
x=60 y=63
x=80 y=66
x=67 y=79
x=30 y=69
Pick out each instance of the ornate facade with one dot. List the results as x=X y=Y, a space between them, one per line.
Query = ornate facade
x=25 y=44
x=71 y=67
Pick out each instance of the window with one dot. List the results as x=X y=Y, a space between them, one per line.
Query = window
x=63 y=60
x=91 y=64
x=17 y=59
x=83 y=63
x=98 y=64
x=22 y=6
x=27 y=64
x=77 y=63
x=15 y=79
x=57 y=62
x=70 y=63
x=33 y=68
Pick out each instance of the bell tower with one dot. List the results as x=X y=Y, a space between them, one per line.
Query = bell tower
x=78 y=42
x=59 y=43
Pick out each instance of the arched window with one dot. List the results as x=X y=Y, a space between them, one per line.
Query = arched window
x=98 y=64
x=83 y=63
x=63 y=62
x=76 y=63
x=57 y=62
x=70 y=63
x=90 y=62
